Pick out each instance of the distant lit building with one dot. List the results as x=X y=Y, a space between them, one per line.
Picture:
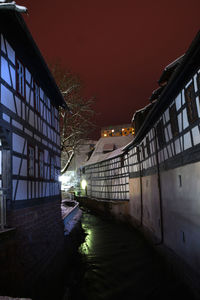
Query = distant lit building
x=117 y=130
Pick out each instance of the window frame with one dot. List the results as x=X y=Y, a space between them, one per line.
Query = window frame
x=36 y=97
x=160 y=132
x=40 y=176
x=148 y=146
x=190 y=100
x=52 y=116
x=174 y=120
x=52 y=167
x=28 y=161
x=17 y=77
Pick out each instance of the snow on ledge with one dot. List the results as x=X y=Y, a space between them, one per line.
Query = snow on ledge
x=12 y=6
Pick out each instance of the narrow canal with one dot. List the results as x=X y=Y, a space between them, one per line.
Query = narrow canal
x=117 y=263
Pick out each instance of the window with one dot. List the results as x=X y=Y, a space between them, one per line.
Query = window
x=52 y=117
x=31 y=161
x=122 y=158
x=52 y=168
x=191 y=103
x=36 y=97
x=173 y=120
x=41 y=164
x=138 y=154
x=148 y=146
x=143 y=151
x=160 y=134
x=20 y=86
x=198 y=82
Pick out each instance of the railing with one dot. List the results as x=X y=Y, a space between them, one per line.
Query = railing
x=3 y=193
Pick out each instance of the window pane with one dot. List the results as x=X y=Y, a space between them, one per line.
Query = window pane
x=173 y=120
x=160 y=134
x=31 y=161
x=191 y=103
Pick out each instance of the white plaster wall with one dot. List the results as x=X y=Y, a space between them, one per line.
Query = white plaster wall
x=7 y=98
x=151 y=204
x=18 y=143
x=21 y=190
x=5 y=71
x=181 y=207
x=135 y=198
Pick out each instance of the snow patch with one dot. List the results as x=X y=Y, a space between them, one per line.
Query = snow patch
x=12 y=6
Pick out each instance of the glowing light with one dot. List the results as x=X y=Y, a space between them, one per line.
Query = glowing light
x=83 y=184
x=122 y=129
x=112 y=130
x=105 y=134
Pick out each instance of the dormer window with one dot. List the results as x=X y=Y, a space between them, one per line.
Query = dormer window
x=108 y=147
x=20 y=78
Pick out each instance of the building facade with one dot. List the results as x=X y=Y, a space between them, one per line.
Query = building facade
x=117 y=130
x=158 y=173
x=31 y=226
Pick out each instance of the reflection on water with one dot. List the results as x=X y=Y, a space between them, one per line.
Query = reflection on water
x=85 y=247
x=119 y=264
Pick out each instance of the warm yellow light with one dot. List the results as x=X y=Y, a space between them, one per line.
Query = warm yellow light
x=122 y=129
x=112 y=130
x=83 y=184
x=105 y=134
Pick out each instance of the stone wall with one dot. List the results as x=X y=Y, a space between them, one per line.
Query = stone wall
x=32 y=254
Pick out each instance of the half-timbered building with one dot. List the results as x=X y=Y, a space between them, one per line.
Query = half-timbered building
x=29 y=150
x=156 y=178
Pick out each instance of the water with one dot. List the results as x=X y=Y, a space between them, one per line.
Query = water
x=117 y=263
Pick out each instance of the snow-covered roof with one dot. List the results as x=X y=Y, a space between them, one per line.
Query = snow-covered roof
x=140 y=110
x=99 y=152
x=11 y=5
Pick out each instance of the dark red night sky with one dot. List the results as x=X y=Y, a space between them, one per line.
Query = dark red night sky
x=119 y=48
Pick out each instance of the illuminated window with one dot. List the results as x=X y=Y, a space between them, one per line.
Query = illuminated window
x=191 y=103
x=20 y=86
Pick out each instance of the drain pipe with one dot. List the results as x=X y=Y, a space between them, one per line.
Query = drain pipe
x=159 y=190
x=141 y=197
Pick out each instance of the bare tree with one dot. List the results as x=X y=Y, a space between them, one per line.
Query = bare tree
x=76 y=123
